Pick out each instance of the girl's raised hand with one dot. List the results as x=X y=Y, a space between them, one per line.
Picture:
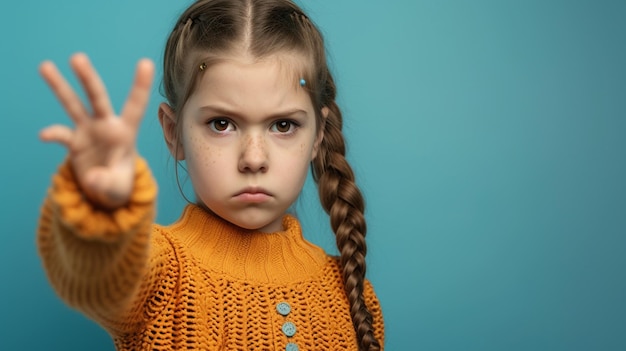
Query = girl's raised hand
x=101 y=146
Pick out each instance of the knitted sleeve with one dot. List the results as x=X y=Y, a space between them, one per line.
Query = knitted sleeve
x=373 y=304
x=95 y=258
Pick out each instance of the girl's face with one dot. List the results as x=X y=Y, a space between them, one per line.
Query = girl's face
x=248 y=137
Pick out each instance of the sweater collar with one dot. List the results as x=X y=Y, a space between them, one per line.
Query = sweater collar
x=222 y=247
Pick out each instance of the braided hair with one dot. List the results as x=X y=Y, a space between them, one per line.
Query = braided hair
x=343 y=201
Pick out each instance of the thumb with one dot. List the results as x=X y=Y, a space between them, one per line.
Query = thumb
x=57 y=134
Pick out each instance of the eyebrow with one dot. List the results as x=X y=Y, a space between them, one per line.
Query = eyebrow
x=226 y=112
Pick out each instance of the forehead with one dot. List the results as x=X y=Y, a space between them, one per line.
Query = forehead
x=243 y=82
x=285 y=65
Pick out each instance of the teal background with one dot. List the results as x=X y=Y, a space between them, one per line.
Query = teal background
x=488 y=137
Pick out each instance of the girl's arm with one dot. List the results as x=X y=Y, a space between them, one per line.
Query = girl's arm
x=94 y=232
x=95 y=259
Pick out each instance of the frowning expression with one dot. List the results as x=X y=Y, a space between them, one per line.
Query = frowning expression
x=248 y=137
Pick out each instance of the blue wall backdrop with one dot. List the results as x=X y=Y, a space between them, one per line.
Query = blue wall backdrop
x=489 y=137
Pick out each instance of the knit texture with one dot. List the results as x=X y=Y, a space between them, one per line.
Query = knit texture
x=200 y=283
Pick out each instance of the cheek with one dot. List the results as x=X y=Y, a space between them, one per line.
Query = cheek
x=201 y=156
x=307 y=146
x=196 y=150
x=295 y=165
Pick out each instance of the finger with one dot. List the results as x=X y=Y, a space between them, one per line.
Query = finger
x=63 y=91
x=57 y=134
x=135 y=105
x=93 y=85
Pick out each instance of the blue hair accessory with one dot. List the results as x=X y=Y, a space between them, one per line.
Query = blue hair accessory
x=302 y=82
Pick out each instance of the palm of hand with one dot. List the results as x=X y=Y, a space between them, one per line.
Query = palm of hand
x=101 y=145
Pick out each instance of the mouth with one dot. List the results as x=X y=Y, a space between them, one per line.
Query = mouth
x=253 y=195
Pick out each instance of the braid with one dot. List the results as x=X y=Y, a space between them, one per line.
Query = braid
x=344 y=203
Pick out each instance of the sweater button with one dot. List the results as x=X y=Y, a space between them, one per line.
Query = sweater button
x=292 y=347
x=283 y=308
x=289 y=329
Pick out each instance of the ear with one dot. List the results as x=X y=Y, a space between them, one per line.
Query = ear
x=320 y=133
x=168 y=120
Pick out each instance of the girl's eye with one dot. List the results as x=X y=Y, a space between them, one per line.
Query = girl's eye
x=220 y=125
x=284 y=127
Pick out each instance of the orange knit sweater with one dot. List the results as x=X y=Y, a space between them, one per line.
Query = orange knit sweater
x=200 y=283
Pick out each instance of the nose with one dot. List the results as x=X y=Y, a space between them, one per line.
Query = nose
x=254 y=155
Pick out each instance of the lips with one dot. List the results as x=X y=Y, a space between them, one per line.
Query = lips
x=253 y=195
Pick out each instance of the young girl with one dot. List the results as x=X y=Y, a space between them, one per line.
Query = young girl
x=250 y=104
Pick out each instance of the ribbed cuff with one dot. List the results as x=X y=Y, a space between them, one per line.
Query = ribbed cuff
x=93 y=222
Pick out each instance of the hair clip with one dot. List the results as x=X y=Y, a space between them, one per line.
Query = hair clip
x=202 y=66
x=302 y=82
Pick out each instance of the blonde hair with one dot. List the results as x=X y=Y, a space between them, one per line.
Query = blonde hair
x=211 y=29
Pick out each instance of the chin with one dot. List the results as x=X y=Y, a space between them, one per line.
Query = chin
x=266 y=227
x=255 y=219
x=263 y=224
